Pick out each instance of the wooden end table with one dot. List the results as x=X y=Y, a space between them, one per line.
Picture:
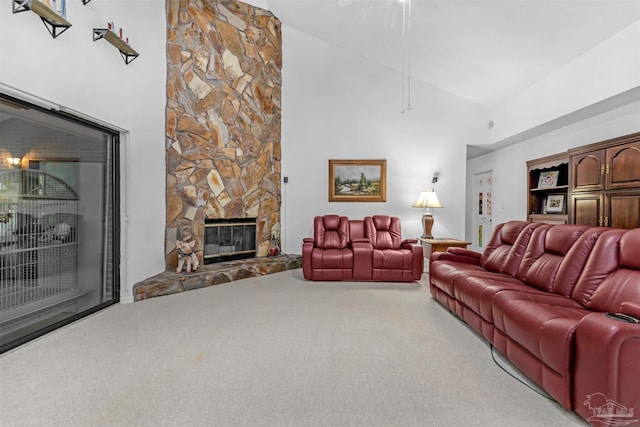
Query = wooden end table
x=432 y=245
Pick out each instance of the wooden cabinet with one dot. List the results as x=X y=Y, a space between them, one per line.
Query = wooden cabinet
x=547 y=189
x=623 y=166
x=605 y=183
x=587 y=209
x=587 y=171
x=608 y=209
x=622 y=210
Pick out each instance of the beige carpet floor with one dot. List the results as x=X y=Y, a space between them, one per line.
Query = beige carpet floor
x=269 y=351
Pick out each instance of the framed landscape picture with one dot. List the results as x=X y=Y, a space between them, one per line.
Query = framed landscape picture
x=357 y=180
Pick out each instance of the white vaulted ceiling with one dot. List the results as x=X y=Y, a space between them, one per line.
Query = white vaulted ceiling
x=483 y=50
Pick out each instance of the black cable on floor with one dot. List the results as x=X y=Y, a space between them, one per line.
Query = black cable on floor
x=537 y=390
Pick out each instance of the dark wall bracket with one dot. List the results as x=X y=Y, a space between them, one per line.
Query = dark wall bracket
x=54 y=23
x=127 y=52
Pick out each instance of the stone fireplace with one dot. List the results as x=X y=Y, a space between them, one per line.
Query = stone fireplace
x=224 y=62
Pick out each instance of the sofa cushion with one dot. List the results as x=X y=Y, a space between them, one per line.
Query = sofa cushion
x=444 y=273
x=477 y=291
x=623 y=284
x=332 y=258
x=502 y=255
x=546 y=253
x=393 y=265
x=331 y=232
x=331 y=264
x=503 y=299
x=572 y=267
x=383 y=231
x=540 y=341
x=356 y=229
x=603 y=260
x=544 y=330
x=507 y=246
x=630 y=250
x=395 y=259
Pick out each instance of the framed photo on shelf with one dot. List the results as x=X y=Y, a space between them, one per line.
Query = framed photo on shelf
x=548 y=179
x=357 y=180
x=554 y=203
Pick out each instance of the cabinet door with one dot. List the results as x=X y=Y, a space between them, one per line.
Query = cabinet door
x=623 y=210
x=587 y=171
x=587 y=209
x=623 y=166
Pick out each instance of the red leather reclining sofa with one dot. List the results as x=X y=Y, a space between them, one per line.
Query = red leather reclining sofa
x=371 y=249
x=561 y=302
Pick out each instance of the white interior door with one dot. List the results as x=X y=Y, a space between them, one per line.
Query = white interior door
x=483 y=215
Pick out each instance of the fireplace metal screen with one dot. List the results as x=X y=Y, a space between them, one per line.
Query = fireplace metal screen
x=227 y=239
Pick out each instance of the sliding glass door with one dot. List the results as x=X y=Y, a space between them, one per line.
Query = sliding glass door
x=58 y=220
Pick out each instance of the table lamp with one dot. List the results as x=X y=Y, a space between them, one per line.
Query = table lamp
x=428 y=199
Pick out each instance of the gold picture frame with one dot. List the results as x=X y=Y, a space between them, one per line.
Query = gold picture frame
x=357 y=180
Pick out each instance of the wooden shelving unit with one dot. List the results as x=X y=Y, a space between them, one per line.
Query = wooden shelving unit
x=127 y=52
x=53 y=21
x=539 y=193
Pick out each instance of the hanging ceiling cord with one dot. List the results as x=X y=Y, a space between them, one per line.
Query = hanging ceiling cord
x=403 y=47
x=406 y=55
x=409 y=57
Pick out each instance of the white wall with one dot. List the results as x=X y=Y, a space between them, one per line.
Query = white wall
x=90 y=77
x=509 y=164
x=339 y=106
x=608 y=69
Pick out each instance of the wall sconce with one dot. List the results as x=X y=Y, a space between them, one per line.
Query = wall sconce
x=428 y=199
x=14 y=161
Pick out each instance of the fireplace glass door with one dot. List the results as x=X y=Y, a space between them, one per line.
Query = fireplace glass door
x=229 y=239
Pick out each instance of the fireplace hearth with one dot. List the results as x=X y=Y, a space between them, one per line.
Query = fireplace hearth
x=228 y=239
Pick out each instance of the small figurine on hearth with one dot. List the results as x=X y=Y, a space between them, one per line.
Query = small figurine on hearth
x=187 y=256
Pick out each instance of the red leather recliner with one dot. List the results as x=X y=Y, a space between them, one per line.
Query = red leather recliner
x=393 y=259
x=328 y=256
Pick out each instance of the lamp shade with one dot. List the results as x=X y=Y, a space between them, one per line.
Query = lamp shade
x=427 y=199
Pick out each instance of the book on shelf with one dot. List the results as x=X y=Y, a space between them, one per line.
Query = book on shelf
x=58 y=6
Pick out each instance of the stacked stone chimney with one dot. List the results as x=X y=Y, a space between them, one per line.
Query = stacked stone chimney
x=224 y=62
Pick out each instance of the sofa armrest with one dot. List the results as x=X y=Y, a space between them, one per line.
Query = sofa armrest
x=465 y=252
x=631 y=309
x=606 y=358
x=417 y=255
x=362 y=259
x=455 y=257
x=360 y=240
x=307 y=252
